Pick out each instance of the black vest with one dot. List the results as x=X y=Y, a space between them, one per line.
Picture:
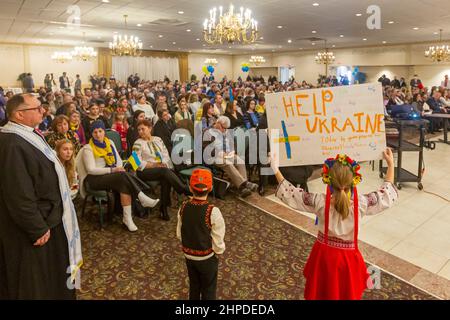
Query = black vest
x=196 y=228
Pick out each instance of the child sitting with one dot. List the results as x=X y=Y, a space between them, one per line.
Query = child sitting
x=201 y=229
x=335 y=269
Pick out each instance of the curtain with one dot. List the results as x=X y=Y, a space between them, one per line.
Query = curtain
x=148 y=68
x=104 y=62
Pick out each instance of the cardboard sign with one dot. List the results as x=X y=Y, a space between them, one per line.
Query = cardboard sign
x=317 y=124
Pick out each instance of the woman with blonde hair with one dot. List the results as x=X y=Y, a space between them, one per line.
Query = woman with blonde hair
x=65 y=152
x=183 y=111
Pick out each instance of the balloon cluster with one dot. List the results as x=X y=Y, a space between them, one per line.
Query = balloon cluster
x=245 y=67
x=208 y=69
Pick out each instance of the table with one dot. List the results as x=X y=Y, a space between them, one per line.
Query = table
x=446 y=118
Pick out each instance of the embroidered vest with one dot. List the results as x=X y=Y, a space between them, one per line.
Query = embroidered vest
x=196 y=228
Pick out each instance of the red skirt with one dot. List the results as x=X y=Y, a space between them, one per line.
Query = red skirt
x=335 y=273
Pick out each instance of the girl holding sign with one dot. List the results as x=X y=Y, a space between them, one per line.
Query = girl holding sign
x=335 y=269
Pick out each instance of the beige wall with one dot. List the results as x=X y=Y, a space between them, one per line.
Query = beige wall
x=16 y=59
x=265 y=72
x=12 y=64
x=401 y=60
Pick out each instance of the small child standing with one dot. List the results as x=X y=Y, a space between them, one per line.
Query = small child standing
x=201 y=229
x=335 y=269
x=121 y=126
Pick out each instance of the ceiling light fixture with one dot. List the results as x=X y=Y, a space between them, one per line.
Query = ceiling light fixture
x=257 y=60
x=325 y=57
x=230 y=26
x=440 y=52
x=61 y=56
x=84 y=53
x=126 y=46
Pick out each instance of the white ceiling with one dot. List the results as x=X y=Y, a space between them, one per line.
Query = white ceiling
x=45 y=22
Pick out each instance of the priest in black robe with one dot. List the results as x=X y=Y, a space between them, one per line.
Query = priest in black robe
x=34 y=251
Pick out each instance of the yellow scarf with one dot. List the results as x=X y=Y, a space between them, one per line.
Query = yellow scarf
x=106 y=153
x=74 y=127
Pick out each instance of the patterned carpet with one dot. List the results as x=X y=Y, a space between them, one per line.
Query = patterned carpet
x=264 y=259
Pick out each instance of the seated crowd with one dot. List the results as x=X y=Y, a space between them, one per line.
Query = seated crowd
x=145 y=114
x=422 y=99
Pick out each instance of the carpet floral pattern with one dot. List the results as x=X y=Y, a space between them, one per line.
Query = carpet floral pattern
x=263 y=260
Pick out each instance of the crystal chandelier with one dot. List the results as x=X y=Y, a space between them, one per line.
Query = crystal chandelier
x=257 y=60
x=126 y=46
x=438 y=53
x=84 y=53
x=211 y=62
x=325 y=57
x=230 y=27
x=61 y=56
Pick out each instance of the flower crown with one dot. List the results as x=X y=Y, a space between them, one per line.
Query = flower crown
x=346 y=161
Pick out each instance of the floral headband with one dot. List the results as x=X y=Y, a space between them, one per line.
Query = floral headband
x=346 y=161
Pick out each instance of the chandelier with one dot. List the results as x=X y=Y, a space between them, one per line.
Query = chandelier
x=84 y=53
x=325 y=57
x=126 y=46
x=438 y=53
x=230 y=27
x=257 y=60
x=211 y=61
x=61 y=56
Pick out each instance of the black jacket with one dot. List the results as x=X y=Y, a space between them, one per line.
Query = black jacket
x=164 y=131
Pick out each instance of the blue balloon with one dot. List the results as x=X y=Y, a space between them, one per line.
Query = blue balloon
x=245 y=69
x=210 y=69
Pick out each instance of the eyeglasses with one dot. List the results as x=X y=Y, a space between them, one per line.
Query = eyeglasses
x=40 y=107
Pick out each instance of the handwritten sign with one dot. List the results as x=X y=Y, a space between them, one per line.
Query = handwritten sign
x=317 y=124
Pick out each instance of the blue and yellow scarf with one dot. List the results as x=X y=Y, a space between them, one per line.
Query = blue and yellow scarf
x=104 y=150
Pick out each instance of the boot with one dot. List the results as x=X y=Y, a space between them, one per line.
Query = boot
x=164 y=215
x=251 y=186
x=146 y=201
x=261 y=190
x=243 y=191
x=128 y=219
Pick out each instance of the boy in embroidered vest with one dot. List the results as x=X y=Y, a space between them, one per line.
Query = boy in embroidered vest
x=201 y=229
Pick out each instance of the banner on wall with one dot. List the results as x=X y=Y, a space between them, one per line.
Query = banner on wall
x=317 y=124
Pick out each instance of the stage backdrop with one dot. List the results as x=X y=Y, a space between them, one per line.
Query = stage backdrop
x=317 y=124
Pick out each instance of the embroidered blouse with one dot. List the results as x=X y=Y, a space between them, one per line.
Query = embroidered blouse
x=153 y=151
x=369 y=204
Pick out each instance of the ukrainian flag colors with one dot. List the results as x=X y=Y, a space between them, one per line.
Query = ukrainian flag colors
x=134 y=161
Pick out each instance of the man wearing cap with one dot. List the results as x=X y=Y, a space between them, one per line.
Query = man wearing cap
x=201 y=229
